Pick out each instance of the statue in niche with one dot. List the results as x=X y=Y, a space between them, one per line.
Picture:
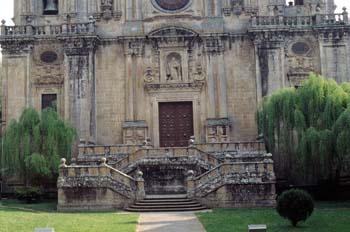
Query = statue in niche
x=174 y=68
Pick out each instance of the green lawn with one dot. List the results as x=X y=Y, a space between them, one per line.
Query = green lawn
x=18 y=217
x=327 y=217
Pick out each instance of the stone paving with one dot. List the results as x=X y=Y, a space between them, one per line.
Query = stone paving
x=169 y=222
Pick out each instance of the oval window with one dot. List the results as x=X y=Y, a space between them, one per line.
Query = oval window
x=48 y=57
x=300 y=48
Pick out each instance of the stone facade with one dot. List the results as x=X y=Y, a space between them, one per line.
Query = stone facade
x=110 y=63
x=156 y=72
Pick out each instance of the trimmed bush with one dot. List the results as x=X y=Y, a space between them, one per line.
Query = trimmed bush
x=29 y=194
x=295 y=205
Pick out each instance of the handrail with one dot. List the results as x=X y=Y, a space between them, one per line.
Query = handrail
x=97 y=176
x=229 y=173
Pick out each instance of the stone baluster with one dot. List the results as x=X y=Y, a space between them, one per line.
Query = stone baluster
x=190 y=184
x=140 y=185
x=3 y=27
x=254 y=21
x=91 y=27
x=345 y=15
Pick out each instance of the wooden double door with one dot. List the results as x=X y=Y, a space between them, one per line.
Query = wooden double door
x=175 y=123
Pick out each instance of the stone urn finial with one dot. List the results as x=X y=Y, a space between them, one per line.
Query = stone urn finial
x=63 y=163
x=192 y=141
x=139 y=175
x=190 y=174
x=103 y=161
x=147 y=143
x=3 y=22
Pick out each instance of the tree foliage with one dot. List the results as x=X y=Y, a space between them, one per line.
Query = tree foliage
x=33 y=145
x=310 y=126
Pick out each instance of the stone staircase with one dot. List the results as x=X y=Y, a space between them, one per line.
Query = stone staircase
x=164 y=203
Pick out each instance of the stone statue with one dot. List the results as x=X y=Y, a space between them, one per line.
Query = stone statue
x=174 y=70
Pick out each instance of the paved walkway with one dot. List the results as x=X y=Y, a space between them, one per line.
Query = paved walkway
x=169 y=222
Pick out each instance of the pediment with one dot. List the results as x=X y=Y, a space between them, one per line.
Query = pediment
x=173 y=32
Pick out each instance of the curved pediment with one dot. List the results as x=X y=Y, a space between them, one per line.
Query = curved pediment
x=173 y=32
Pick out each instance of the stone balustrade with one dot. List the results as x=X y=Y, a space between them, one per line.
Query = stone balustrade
x=249 y=146
x=166 y=153
x=96 y=150
x=48 y=30
x=300 y=21
x=116 y=189
x=216 y=183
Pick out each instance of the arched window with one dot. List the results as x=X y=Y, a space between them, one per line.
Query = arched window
x=50 y=7
x=295 y=2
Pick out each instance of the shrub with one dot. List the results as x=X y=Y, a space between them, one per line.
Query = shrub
x=28 y=194
x=295 y=205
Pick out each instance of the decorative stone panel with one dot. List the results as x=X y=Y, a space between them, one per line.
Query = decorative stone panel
x=135 y=132
x=218 y=130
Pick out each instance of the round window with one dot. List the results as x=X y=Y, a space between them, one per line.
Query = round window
x=172 y=5
x=48 y=57
x=300 y=48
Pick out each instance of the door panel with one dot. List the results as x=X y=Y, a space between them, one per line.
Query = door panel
x=175 y=123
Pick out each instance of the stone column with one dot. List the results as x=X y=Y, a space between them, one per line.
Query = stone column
x=129 y=93
x=270 y=60
x=80 y=86
x=16 y=78
x=222 y=87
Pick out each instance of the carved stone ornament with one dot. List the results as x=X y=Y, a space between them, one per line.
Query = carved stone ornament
x=149 y=75
x=199 y=75
x=48 y=81
x=107 y=9
x=14 y=47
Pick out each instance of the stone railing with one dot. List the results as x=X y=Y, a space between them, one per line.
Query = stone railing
x=299 y=21
x=48 y=30
x=168 y=153
x=102 y=176
x=231 y=173
x=97 y=150
x=254 y=146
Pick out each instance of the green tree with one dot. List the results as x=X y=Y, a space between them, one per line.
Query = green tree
x=309 y=127
x=32 y=146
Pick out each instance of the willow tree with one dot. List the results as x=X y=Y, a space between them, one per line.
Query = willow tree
x=33 y=145
x=309 y=128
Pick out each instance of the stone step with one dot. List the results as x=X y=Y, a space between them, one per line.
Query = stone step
x=168 y=196
x=167 y=209
x=166 y=205
x=166 y=200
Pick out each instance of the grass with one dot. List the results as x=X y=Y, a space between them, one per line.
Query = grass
x=327 y=217
x=15 y=216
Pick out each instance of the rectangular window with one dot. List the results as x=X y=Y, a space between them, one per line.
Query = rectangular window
x=48 y=100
